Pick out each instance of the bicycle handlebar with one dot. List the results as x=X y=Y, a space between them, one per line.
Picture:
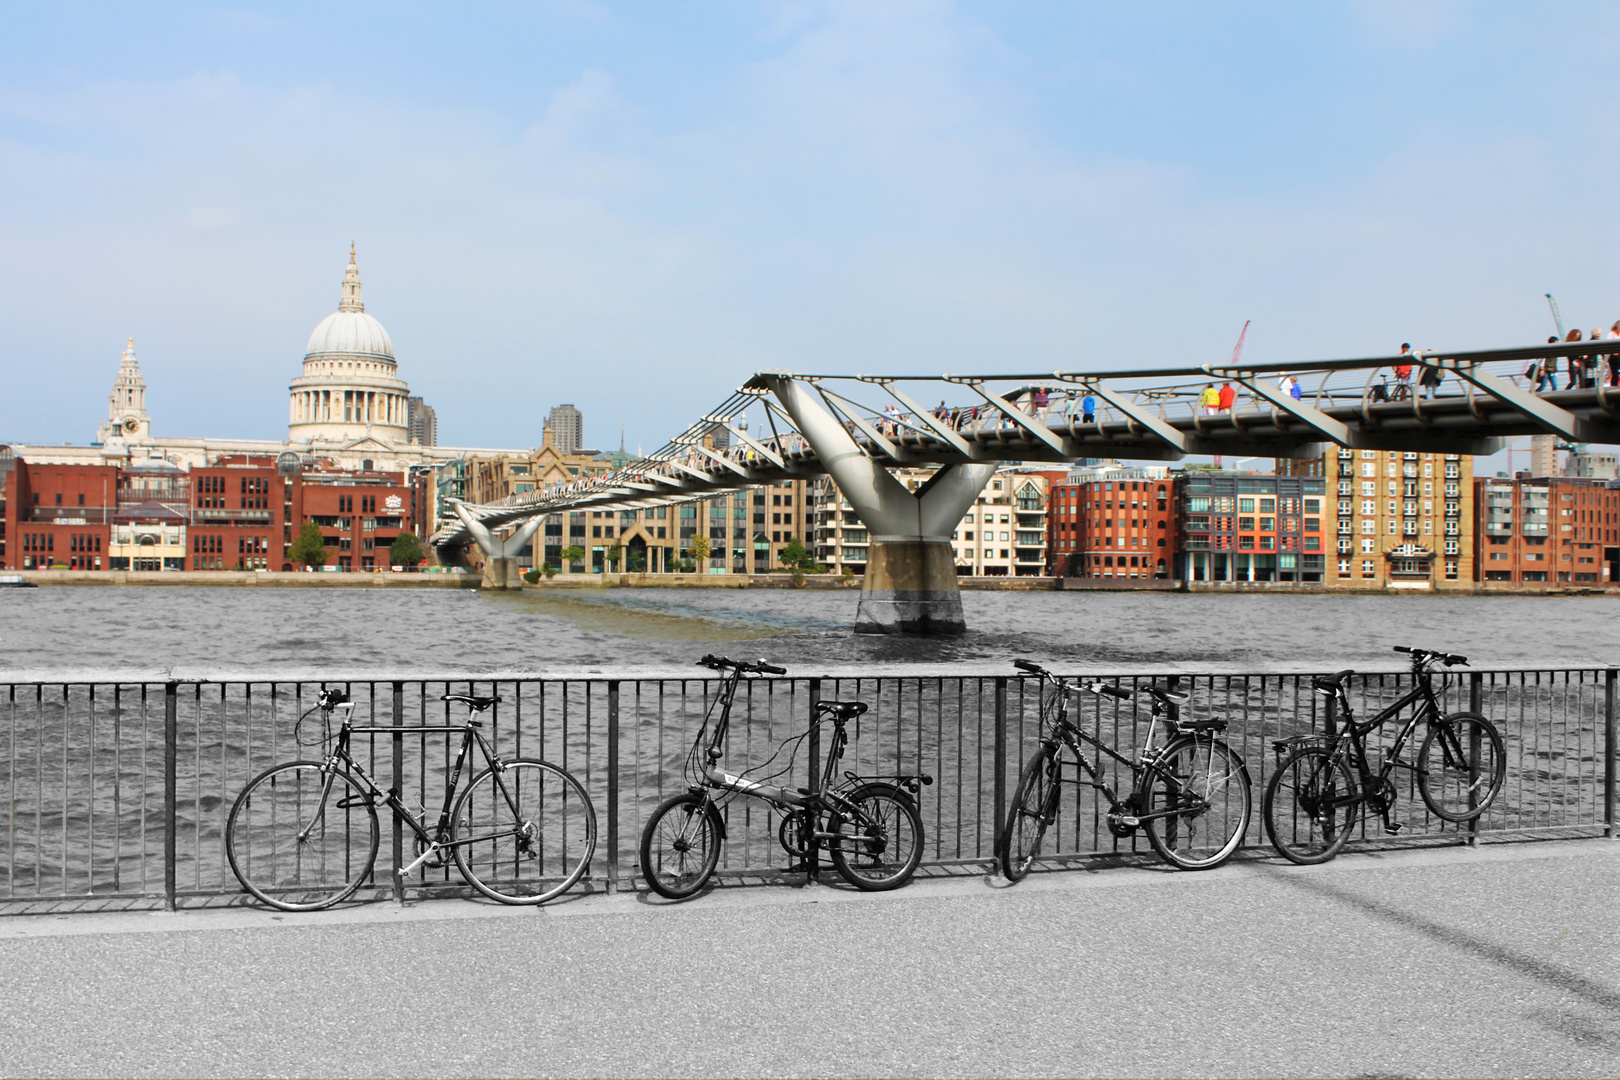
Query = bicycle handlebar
x=1090 y=687
x=331 y=699
x=1420 y=656
x=721 y=663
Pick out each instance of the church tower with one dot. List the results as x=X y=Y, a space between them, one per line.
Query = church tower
x=126 y=405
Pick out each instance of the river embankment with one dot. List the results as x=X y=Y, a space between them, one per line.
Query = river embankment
x=448 y=579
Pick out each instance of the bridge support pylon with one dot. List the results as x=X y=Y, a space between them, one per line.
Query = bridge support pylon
x=910 y=585
x=501 y=567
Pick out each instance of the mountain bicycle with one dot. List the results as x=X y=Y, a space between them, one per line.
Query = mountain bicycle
x=303 y=835
x=1323 y=781
x=1191 y=795
x=869 y=825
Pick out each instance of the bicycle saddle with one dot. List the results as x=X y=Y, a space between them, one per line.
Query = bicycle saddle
x=844 y=710
x=1331 y=682
x=1178 y=698
x=476 y=704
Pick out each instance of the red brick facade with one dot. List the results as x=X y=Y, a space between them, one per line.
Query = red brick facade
x=239 y=512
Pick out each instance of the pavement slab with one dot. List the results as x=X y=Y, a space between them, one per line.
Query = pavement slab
x=1502 y=960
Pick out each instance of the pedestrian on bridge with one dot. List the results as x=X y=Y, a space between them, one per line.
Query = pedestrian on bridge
x=1429 y=381
x=1403 y=372
x=1613 y=359
x=1227 y=397
x=1211 y=399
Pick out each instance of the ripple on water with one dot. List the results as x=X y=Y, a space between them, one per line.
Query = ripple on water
x=197 y=631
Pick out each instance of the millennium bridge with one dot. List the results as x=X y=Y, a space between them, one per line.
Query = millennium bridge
x=781 y=425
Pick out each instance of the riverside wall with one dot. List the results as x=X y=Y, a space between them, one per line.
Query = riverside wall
x=360 y=580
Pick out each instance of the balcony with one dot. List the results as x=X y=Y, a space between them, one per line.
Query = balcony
x=226 y=515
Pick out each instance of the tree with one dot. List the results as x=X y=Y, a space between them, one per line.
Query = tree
x=405 y=551
x=795 y=557
x=310 y=547
x=571 y=554
x=614 y=553
x=701 y=549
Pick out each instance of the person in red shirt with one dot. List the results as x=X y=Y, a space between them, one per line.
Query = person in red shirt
x=1403 y=372
x=1228 y=395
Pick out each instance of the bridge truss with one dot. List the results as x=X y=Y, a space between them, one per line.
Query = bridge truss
x=1483 y=398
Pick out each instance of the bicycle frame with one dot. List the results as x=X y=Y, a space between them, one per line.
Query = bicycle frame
x=1147 y=766
x=438 y=841
x=827 y=796
x=1350 y=741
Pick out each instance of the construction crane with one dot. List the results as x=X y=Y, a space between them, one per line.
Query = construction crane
x=1558 y=318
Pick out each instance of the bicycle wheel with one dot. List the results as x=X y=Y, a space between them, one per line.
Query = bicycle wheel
x=1207 y=785
x=1033 y=809
x=1460 y=766
x=681 y=845
x=525 y=834
x=301 y=838
x=881 y=848
x=1310 y=806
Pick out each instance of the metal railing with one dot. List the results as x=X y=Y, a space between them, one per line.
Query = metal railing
x=116 y=794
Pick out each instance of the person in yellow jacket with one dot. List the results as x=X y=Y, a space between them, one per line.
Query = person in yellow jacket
x=1211 y=400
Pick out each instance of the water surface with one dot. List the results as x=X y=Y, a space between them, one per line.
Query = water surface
x=220 y=632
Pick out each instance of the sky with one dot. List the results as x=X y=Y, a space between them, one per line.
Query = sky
x=633 y=207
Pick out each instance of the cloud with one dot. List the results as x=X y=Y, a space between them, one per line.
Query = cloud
x=858 y=187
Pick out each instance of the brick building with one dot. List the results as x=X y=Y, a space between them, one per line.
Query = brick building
x=239 y=511
x=1114 y=522
x=1549 y=531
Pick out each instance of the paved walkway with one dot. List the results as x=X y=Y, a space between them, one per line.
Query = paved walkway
x=1501 y=961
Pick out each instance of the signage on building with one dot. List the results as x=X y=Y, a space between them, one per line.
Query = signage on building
x=393 y=502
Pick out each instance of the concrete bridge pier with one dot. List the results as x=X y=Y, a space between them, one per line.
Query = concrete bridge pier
x=910 y=585
x=502 y=570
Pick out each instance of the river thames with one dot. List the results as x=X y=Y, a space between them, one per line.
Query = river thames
x=56 y=633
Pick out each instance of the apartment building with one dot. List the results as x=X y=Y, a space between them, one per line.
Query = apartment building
x=1004 y=533
x=1403 y=521
x=1112 y=521
x=746 y=530
x=1250 y=527
x=1548 y=531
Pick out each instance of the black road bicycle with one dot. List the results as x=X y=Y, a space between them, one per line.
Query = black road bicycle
x=1323 y=782
x=1190 y=795
x=869 y=825
x=303 y=835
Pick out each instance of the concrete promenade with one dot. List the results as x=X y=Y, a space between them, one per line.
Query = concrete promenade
x=1498 y=961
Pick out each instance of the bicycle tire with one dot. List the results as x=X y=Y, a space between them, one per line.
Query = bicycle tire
x=1031 y=813
x=680 y=845
x=323 y=866
x=1444 y=786
x=1310 y=806
x=534 y=854
x=883 y=852
x=1212 y=783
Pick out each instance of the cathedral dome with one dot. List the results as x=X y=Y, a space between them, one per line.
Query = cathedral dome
x=350 y=332
x=350 y=388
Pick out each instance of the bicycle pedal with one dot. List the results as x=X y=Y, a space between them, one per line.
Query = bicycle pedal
x=1393 y=828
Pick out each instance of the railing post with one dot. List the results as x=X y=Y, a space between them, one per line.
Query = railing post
x=613 y=787
x=1609 y=751
x=171 y=760
x=812 y=858
x=399 y=786
x=1476 y=702
x=1001 y=760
